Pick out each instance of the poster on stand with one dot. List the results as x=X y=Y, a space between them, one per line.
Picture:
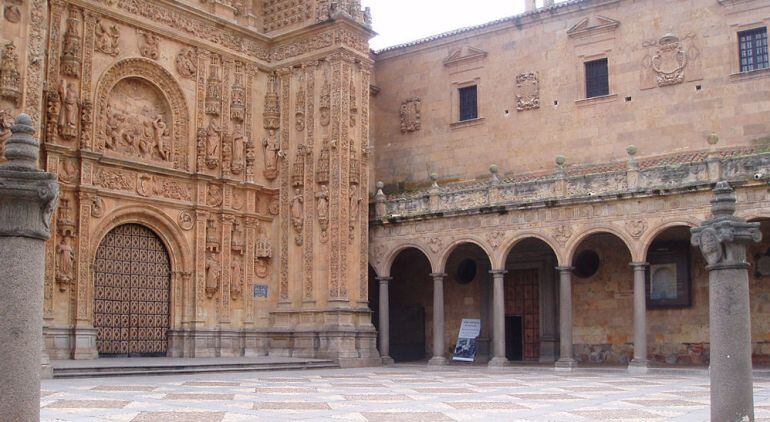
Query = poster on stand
x=465 y=351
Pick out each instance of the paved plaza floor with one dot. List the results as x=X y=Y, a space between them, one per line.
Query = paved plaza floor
x=395 y=393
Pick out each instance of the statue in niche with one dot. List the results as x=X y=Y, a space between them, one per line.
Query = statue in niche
x=66 y=266
x=238 y=152
x=213 y=273
x=107 y=39
x=272 y=147
x=213 y=141
x=355 y=202
x=322 y=209
x=186 y=63
x=237 y=278
x=10 y=78
x=149 y=45
x=68 y=120
x=297 y=204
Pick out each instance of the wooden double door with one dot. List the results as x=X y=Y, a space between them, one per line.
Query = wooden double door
x=132 y=280
x=522 y=314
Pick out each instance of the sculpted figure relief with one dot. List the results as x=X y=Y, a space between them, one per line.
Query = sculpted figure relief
x=236 y=280
x=213 y=140
x=213 y=273
x=66 y=265
x=297 y=204
x=107 y=39
x=355 y=202
x=322 y=210
x=186 y=63
x=136 y=121
x=238 y=152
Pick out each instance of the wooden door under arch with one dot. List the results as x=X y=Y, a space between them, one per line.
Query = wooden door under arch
x=132 y=284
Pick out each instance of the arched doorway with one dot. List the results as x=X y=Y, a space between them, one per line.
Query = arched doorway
x=132 y=281
x=410 y=306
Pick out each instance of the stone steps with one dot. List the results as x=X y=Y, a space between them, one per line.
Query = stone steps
x=186 y=369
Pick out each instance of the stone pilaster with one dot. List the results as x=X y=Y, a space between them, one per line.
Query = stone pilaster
x=29 y=199
x=498 y=318
x=438 y=320
x=723 y=240
x=639 y=363
x=566 y=362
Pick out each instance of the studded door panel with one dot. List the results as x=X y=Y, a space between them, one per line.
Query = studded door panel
x=132 y=278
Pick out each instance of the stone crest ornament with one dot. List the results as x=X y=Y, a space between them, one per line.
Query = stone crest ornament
x=149 y=45
x=186 y=220
x=527 y=91
x=669 y=61
x=107 y=38
x=495 y=239
x=10 y=78
x=435 y=244
x=12 y=11
x=562 y=233
x=97 y=207
x=636 y=228
x=410 y=115
x=187 y=63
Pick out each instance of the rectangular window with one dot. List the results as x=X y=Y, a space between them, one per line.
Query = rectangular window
x=597 y=78
x=753 y=49
x=469 y=103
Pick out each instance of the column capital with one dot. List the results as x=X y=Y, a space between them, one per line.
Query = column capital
x=563 y=269
x=438 y=275
x=639 y=265
x=384 y=280
x=498 y=273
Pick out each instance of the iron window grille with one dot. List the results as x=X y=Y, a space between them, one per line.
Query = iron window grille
x=469 y=103
x=597 y=78
x=752 y=47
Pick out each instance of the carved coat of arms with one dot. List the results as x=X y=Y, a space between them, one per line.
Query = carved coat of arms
x=669 y=61
x=527 y=91
x=410 y=115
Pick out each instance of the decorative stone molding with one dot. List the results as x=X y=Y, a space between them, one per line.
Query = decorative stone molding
x=592 y=25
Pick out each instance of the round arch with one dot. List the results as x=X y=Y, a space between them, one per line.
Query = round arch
x=510 y=244
x=647 y=240
x=444 y=257
x=573 y=246
x=154 y=74
x=385 y=271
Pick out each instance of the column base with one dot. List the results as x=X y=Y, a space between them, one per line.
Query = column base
x=638 y=366
x=438 y=361
x=387 y=360
x=498 y=362
x=565 y=365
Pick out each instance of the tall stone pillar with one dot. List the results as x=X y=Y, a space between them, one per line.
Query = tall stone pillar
x=438 y=320
x=385 y=320
x=566 y=362
x=723 y=240
x=28 y=197
x=498 y=318
x=639 y=363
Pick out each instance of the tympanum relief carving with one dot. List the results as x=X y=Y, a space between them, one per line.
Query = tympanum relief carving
x=527 y=91
x=138 y=121
x=410 y=115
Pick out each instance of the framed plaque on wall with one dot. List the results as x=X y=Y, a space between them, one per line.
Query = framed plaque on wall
x=668 y=276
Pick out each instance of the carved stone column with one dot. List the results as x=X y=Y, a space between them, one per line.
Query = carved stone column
x=639 y=363
x=566 y=362
x=438 y=320
x=29 y=197
x=385 y=320
x=723 y=240
x=498 y=319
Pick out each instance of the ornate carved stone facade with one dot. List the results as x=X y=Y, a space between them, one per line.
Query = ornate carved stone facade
x=169 y=130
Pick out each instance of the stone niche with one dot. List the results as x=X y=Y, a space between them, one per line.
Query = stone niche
x=138 y=122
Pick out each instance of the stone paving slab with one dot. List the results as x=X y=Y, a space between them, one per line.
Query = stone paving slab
x=395 y=393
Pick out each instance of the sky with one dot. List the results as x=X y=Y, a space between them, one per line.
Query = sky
x=400 y=21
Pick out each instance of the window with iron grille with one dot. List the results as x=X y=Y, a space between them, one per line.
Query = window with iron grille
x=469 y=103
x=753 y=49
x=597 y=78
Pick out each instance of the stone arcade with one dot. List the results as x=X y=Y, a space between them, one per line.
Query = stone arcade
x=540 y=173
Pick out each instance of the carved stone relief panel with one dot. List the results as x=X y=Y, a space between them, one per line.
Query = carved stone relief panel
x=527 y=91
x=10 y=77
x=71 y=45
x=107 y=38
x=187 y=63
x=12 y=11
x=149 y=45
x=138 y=121
x=671 y=61
x=410 y=115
